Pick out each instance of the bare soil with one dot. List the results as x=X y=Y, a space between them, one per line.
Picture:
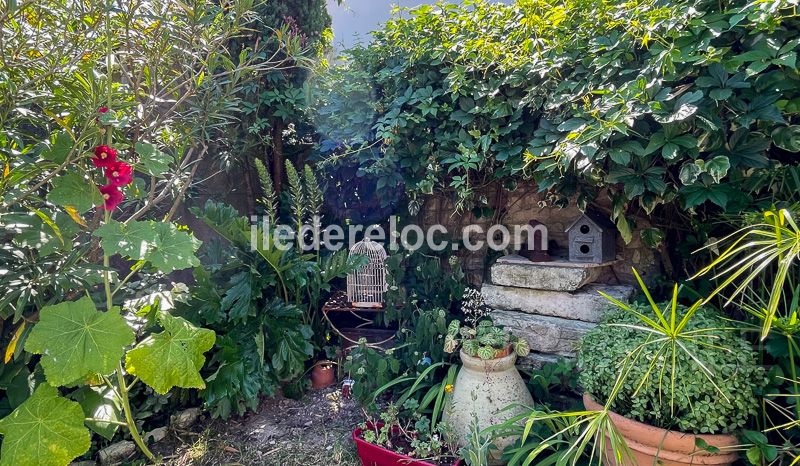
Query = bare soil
x=313 y=431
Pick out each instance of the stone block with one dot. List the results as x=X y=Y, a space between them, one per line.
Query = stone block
x=553 y=276
x=537 y=360
x=544 y=334
x=117 y=452
x=585 y=304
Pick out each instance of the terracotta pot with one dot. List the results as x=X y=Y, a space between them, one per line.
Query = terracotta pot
x=375 y=455
x=323 y=375
x=503 y=352
x=655 y=446
x=482 y=390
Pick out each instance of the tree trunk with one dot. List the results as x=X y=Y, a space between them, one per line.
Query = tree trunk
x=277 y=155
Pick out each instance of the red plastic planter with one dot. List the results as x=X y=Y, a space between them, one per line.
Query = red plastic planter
x=376 y=455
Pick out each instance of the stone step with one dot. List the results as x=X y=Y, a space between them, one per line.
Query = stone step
x=558 y=275
x=585 y=304
x=550 y=335
x=537 y=360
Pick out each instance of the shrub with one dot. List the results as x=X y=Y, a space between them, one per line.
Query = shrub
x=719 y=405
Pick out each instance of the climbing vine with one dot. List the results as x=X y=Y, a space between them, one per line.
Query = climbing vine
x=687 y=106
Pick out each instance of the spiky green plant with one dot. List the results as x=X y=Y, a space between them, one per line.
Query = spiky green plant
x=771 y=247
x=270 y=198
x=296 y=196
x=313 y=193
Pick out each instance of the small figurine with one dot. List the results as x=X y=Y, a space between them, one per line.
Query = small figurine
x=426 y=360
x=537 y=252
x=347 y=388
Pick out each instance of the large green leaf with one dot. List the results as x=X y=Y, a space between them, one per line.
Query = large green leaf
x=75 y=339
x=173 y=357
x=154 y=161
x=59 y=149
x=238 y=297
x=787 y=138
x=45 y=430
x=162 y=244
x=73 y=190
x=103 y=406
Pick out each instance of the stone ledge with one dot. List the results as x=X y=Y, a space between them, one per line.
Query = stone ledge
x=544 y=334
x=585 y=304
x=552 y=276
x=537 y=360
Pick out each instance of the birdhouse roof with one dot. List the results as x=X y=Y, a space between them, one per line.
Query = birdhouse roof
x=601 y=222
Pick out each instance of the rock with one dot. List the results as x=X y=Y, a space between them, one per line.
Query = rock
x=117 y=452
x=537 y=360
x=553 y=276
x=155 y=435
x=585 y=304
x=185 y=418
x=544 y=334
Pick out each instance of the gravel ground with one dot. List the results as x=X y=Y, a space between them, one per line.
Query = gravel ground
x=312 y=431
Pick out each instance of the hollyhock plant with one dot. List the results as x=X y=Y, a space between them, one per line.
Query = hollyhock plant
x=112 y=196
x=104 y=156
x=119 y=174
x=102 y=109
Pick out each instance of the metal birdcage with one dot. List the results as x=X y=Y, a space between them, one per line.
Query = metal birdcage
x=366 y=286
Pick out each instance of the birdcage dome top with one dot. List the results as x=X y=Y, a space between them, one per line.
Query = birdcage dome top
x=372 y=249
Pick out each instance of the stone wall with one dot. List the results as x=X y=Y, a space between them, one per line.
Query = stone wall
x=521 y=206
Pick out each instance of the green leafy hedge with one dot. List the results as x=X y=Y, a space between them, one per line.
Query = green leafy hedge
x=722 y=404
x=664 y=105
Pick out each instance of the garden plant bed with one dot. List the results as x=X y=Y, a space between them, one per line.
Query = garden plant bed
x=218 y=219
x=377 y=455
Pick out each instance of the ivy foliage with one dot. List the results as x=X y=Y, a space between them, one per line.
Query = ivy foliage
x=677 y=105
x=694 y=403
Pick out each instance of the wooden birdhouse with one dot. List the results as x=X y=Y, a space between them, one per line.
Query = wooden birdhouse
x=592 y=239
x=367 y=285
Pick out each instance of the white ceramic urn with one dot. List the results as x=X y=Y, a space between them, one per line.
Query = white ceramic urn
x=483 y=389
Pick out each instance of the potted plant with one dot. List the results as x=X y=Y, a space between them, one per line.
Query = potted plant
x=394 y=441
x=488 y=389
x=676 y=383
x=323 y=374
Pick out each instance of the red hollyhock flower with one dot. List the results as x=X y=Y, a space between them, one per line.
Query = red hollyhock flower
x=104 y=156
x=119 y=174
x=112 y=196
x=102 y=109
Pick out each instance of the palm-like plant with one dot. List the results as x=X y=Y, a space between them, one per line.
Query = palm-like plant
x=669 y=334
x=767 y=249
x=759 y=267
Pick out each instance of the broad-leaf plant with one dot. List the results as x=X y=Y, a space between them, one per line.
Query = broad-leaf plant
x=107 y=109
